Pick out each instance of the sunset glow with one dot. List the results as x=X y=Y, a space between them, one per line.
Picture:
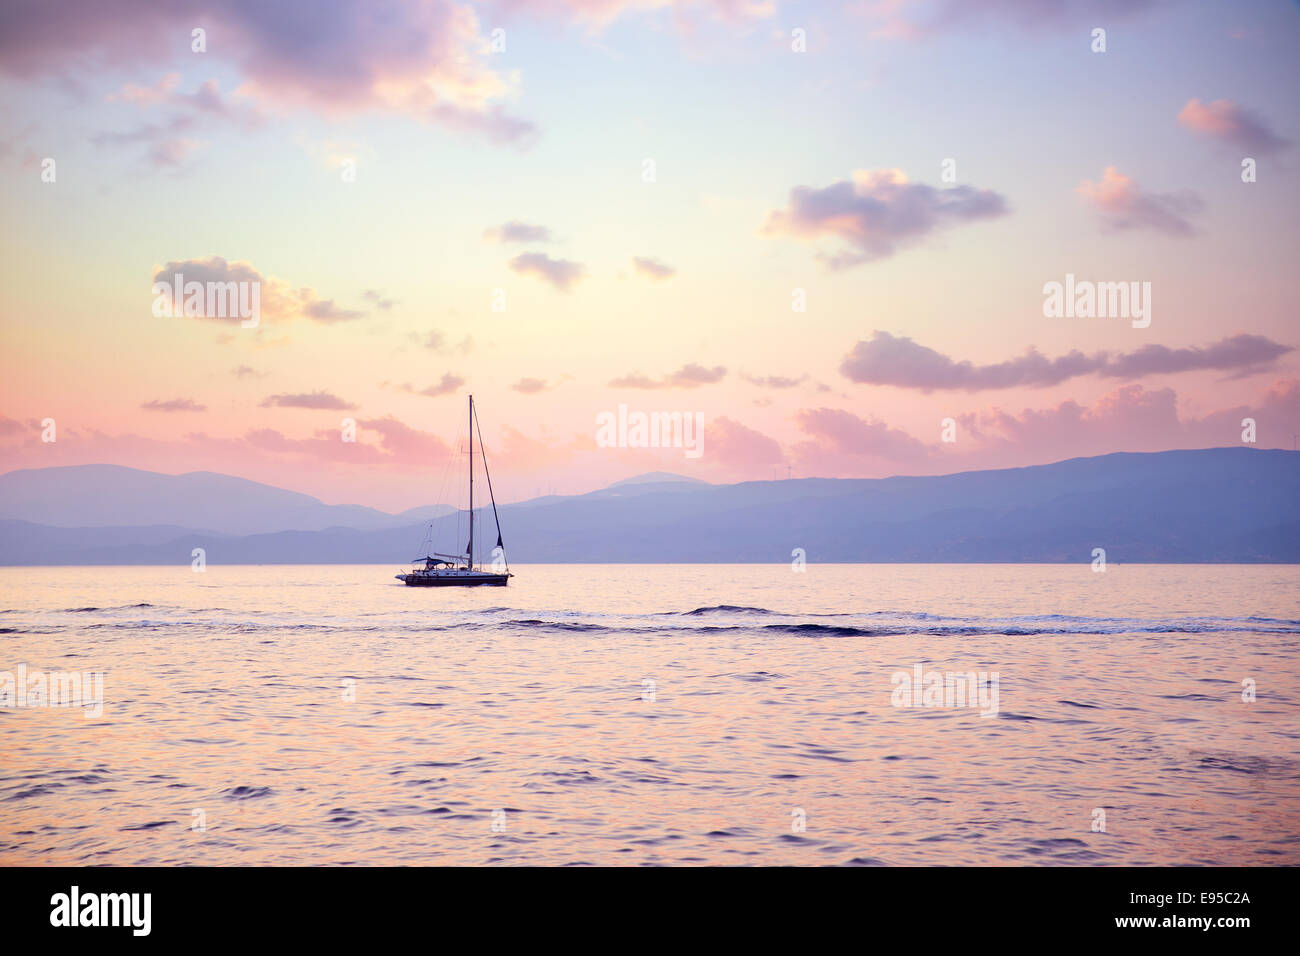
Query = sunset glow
x=645 y=195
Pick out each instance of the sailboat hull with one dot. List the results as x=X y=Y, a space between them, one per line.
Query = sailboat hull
x=454 y=579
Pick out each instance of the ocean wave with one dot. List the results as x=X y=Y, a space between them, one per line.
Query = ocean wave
x=86 y=610
x=708 y=619
x=727 y=608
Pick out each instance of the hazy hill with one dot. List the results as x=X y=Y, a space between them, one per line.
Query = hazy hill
x=94 y=496
x=1212 y=505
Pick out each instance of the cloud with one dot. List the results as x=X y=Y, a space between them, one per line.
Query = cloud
x=1241 y=353
x=324 y=310
x=207 y=100
x=324 y=445
x=560 y=273
x=843 y=431
x=690 y=375
x=436 y=341
x=774 y=381
x=167 y=141
x=635 y=380
x=421 y=58
x=515 y=231
x=378 y=300
x=841 y=443
x=529 y=386
x=652 y=268
x=172 y=152
x=518 y=453
x=398 y=444
x=406 y=444
x=166 y=147
x=738 y=447
x=1232 y=124
x=317 y=400
x=245 y=371
x=310 y=462
x=876 y=212
x=277 y=298
x=902 y=19
x=163 y=91
x=493 y=124
x=598 y=14
x=835 y=442
x=446 y=386
x=174 y=405
x=1124 y=205
x=888 y=360
x=1128 y=419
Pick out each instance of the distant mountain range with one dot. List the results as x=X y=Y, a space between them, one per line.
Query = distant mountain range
x=95 y=496
x=1216 y=505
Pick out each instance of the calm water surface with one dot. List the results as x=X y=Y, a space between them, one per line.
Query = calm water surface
x=654 y=715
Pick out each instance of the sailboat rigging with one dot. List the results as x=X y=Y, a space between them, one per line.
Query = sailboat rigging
x=459 y=570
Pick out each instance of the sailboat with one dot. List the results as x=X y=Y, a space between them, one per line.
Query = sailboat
x=459 y=570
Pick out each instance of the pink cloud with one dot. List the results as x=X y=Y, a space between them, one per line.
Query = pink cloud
x=598 y=14
x=738 y=448
x=774 y=381
x=523 y=455
x=916 y=19
x=1232 y=124
x=1124 y=205
x=422 y=58
x=389 y=463
x=1130 y=418
x=173 y=405
x=885 y=359
x=406 y=444
x=691 y=375
x=845 y=432
x=314 y=400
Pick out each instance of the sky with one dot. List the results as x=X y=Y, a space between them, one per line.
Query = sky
x=824 y=231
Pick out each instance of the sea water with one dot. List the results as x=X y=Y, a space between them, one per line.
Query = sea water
x=654 y=714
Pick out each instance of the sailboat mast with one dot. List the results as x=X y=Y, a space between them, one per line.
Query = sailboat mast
x=491 y=494
x=471 y=482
